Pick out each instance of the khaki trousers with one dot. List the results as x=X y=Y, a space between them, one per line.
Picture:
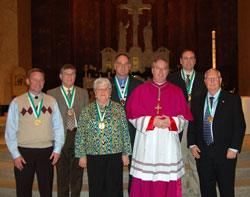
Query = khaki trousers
x=190 y=180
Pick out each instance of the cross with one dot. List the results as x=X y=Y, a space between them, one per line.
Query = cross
x=158 y=107
x=135 y=7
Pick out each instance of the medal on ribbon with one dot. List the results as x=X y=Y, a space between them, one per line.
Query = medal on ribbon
x=122 y=94
x=37 y=122
x=36 y=112
x=189 y=89
x=122 y=102
x=101 y=125
x=70 y=112
x=101 y=116
x=68 y=101
x=211 y=110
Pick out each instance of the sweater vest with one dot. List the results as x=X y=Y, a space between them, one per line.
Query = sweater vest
x=29 y=134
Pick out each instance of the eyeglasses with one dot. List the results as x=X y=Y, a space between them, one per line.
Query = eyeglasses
x=212 y=78
x=102 y=89
x=69 y=74
x=158 y=68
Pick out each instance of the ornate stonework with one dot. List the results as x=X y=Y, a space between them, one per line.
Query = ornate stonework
x=139 y=59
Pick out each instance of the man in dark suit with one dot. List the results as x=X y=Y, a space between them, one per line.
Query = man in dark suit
x=71 y=100
x=216 y=135
x=122 y=87
x=192 y=85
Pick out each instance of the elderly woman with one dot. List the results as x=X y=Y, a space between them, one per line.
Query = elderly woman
x=102 y=142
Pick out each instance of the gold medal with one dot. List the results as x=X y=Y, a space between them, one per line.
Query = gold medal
x=101 y=125
x=189 y=97
x=37 y=122
x=70 y=112
x=210 y=119
x=122 y=101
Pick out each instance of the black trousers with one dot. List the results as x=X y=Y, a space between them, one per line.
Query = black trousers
x=105 y=175
x=37 y=161
x=212 y=170
x=69 y=173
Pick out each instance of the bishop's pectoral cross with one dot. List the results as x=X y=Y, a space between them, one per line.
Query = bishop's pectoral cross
x=158 y=107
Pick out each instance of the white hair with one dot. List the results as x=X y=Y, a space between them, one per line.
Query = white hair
x=218 y=72
x=102 y=81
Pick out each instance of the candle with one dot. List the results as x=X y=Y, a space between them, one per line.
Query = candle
x=213 y=50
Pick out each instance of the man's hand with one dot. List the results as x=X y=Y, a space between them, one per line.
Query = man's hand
x=195 y=152
x=83 y=162
x=162 y=121
x=19 y=161
x=231 y=154
x=55 y=158
x=125 y=160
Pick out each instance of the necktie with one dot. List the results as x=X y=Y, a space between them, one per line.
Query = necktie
x=211 y=99
x=122 y=85
x=187 y=86
x=70 y=118
x=207 y=125
x=187 y=81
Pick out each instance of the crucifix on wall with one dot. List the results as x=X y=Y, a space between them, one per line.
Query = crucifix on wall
x=140 y=60
x=135 y=7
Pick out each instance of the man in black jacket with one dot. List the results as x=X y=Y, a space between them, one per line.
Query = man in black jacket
x=216 y=135
x=192 y=85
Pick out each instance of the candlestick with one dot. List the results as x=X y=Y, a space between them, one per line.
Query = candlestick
x=213 y=49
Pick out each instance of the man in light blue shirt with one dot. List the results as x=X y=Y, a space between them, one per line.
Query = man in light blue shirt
x=34 y=136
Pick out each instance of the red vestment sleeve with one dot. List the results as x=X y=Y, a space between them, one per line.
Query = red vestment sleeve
x=173 y=126
x=151 y=124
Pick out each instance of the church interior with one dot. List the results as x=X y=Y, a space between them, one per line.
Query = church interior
x=88 y=34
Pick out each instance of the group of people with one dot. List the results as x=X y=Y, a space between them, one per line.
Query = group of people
x=154 y=128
